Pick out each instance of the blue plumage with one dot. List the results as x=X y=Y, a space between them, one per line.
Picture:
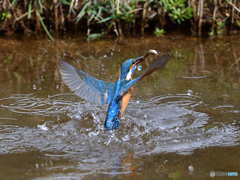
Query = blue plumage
x=102 y=92
x=125 y=68
x=86 y=86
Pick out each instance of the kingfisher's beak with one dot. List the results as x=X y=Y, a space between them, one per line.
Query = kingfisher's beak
x=142 y=58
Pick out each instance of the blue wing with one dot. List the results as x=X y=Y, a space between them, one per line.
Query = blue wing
x=157 y=64
x=127 y=86
x=86 y=86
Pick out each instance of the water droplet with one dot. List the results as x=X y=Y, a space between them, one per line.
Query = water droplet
x=190 y=168
x=34 y=87
x=105 y=56
x=189 y=92
x=126 y=138
x=57 y=86
x=139 y=67
x=138 y=102
x=43 y=127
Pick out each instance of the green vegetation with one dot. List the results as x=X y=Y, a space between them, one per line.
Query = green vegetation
x=94 y=36
x=17 y=76
x=219 y=28
x=5 y=14
x=114 y=16
x=159 y=32
x=177 y=9
x=174 y=175
x=7 y=59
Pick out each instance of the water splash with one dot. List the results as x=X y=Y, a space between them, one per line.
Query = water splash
x=189 y=92
x=72 y=129
x=139 y=67
x=43 y=127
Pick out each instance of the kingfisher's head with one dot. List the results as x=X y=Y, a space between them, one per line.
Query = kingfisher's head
x=130 y=65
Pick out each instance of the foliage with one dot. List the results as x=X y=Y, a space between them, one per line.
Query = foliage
x=174 y=175
x=94 y=36
x=7 y=59
x=124 y=12
x=177 y=10
x=5 y=14
x=113 y=14
x=159 y=32
x=93 y=10
x=107 y=12
x=38 y=7
x=220 y=25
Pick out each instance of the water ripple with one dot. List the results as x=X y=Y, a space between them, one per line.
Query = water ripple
x=169 y=123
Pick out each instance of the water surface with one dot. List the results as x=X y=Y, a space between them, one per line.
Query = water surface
x=182 y=121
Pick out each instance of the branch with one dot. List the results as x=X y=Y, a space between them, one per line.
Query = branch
x=190 y=5
x=234 y=6
x=22 y=16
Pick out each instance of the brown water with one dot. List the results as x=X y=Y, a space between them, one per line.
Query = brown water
x=182 y=122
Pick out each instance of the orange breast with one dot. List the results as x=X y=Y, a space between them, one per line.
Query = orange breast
x=125 y=100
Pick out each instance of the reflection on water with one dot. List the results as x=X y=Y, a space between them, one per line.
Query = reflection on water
x=190 y=108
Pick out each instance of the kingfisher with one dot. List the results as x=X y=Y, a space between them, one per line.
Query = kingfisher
x=100 y=92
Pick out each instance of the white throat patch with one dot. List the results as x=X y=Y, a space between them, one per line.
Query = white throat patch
x=129 y=75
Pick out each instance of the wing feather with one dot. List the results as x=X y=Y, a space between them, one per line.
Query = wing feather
x=157 y=64
x=86 y=86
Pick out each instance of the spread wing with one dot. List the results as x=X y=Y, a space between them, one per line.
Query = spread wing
x=86 y=86
x=157 y=64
